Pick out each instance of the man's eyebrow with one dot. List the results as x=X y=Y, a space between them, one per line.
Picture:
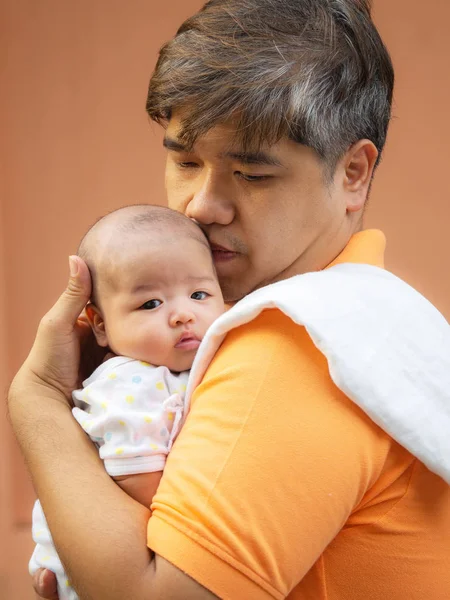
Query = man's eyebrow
x=253 y=158
x=245 y=158
x=172 y=144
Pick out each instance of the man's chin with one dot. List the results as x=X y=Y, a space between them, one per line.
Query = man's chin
x=233 y=290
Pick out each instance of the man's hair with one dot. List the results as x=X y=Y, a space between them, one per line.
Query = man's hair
x=315 y=71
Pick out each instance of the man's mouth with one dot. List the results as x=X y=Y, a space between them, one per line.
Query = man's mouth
x=188 y=341
x=220 y=253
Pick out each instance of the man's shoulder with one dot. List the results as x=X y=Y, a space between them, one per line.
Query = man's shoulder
x=271 y=337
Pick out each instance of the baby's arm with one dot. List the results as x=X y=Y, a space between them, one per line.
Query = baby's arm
x=141 y=487
x=132 y=411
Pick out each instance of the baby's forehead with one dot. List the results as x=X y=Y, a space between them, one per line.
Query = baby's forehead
x=140 y=262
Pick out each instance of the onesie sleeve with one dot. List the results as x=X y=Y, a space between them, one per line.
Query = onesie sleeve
x=132 y=411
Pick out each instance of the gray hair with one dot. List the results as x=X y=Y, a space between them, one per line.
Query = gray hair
x=315 y=71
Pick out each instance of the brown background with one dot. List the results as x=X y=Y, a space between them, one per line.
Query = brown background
x=76 y=143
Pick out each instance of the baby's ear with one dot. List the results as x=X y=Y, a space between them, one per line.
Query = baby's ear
x=97 y=323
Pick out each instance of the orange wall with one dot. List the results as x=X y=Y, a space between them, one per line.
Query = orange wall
x=411 y=195
x=76 y=143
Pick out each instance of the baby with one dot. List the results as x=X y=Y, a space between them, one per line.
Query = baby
x=155 y=293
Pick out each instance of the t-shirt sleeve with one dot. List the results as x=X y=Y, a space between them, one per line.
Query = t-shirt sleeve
x=271 y=462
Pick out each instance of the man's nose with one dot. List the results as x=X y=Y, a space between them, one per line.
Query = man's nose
x=181 y=316
x=211 y=201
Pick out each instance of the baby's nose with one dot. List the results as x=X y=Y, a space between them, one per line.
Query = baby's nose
x=181 y=317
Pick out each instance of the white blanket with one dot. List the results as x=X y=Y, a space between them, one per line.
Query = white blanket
x=387 y=347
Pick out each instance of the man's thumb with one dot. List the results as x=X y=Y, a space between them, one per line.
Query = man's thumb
x=75 y=297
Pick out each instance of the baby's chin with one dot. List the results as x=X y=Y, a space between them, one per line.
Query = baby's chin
x=180 y=364
x=176 y=364
x=176 y=360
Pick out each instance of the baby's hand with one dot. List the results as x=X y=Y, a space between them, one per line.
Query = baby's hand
x=141 y=487
x=44 y=583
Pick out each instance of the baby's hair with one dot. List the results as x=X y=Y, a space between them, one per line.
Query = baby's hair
x=132 y=219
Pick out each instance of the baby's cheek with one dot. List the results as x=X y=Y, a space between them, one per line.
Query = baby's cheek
x=118 y=339
x=130 y=339
x=154 y=346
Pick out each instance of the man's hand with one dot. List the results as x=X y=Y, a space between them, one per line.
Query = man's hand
x=44 y=583
x=53 y=365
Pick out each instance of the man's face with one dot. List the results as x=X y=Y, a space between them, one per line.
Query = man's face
x=267 y=216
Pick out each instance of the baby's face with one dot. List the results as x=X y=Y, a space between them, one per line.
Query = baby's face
x=161 y=300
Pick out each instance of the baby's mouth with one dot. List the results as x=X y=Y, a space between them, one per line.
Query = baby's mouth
x=188 y=341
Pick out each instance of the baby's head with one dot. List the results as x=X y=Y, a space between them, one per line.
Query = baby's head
x=155 y=289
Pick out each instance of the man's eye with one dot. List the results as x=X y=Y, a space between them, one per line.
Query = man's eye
x=200 y=295
x=151 y=304
x=252 y=177
x=187 y=165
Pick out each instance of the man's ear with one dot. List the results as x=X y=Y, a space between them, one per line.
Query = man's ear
x=97 y=323
x=359 y=164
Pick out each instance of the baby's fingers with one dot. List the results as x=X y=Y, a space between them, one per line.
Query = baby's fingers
x=44 y=583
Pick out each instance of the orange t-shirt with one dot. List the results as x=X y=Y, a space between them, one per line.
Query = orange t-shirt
x=280 y=487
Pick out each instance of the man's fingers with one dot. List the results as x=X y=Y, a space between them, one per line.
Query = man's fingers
x=44 y=583
x=74 y=298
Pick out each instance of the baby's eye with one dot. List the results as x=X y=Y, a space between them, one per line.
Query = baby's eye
x=200 y=295
x=151 y=304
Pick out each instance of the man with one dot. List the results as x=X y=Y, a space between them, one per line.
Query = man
x=279 y=485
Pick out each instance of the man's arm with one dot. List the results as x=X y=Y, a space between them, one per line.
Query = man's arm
x=99 y=531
